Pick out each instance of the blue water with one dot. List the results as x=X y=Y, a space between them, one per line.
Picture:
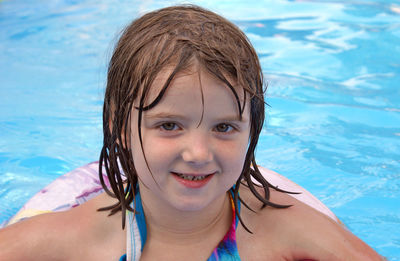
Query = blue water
x=333 y=69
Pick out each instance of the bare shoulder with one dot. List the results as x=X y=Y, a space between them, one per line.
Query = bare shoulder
x=295 y=233
x=42 y=237
x=68 y=235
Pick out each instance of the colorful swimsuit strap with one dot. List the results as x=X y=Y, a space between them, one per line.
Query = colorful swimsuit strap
x=227 y=248
x=137 y=235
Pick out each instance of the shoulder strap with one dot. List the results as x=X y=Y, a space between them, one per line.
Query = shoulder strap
x=133 y=241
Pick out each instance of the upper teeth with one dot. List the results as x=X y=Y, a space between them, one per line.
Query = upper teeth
x=190 y=177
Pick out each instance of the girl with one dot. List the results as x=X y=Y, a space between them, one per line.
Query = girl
x=183 y=111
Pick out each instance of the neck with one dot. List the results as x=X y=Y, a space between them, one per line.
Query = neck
x=167 y=223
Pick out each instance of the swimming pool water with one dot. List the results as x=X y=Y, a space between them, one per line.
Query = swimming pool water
x=333 y=125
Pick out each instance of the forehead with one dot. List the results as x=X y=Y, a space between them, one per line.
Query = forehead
x=195 y=82
x=197 y=95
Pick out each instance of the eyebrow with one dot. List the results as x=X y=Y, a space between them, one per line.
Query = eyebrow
x=166 y=115
x=163 y=115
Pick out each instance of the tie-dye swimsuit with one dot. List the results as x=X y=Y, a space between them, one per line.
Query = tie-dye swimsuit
x=137 y=235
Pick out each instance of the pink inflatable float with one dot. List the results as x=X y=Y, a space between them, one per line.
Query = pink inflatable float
x=82 y=184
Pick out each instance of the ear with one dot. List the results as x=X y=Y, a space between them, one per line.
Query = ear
x=126 y=134
x=121 y=129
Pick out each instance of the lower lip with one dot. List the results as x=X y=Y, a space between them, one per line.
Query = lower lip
x=193 y=183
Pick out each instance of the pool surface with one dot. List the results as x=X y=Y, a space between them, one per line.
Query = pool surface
x=333 y=125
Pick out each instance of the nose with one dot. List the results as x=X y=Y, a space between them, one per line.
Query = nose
x=197 y=149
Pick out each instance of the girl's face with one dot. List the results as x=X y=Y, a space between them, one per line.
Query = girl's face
x=194 y=151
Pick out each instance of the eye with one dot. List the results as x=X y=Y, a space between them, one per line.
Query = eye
x=223 y=127
x=169 y=126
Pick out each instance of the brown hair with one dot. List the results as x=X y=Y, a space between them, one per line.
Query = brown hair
x=175 y=36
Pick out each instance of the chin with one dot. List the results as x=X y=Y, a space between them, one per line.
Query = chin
x=190 y=204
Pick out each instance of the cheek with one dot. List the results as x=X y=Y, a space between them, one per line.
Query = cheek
x=158 y=152
x=156 y=146
x=233 y=154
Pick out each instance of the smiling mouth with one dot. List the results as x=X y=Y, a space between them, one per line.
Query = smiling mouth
x=191 y=177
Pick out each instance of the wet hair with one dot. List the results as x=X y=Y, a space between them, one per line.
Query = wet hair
x=176 y=36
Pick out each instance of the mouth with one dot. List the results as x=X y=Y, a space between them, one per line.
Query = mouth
x=191 y=177
x=192 y=180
